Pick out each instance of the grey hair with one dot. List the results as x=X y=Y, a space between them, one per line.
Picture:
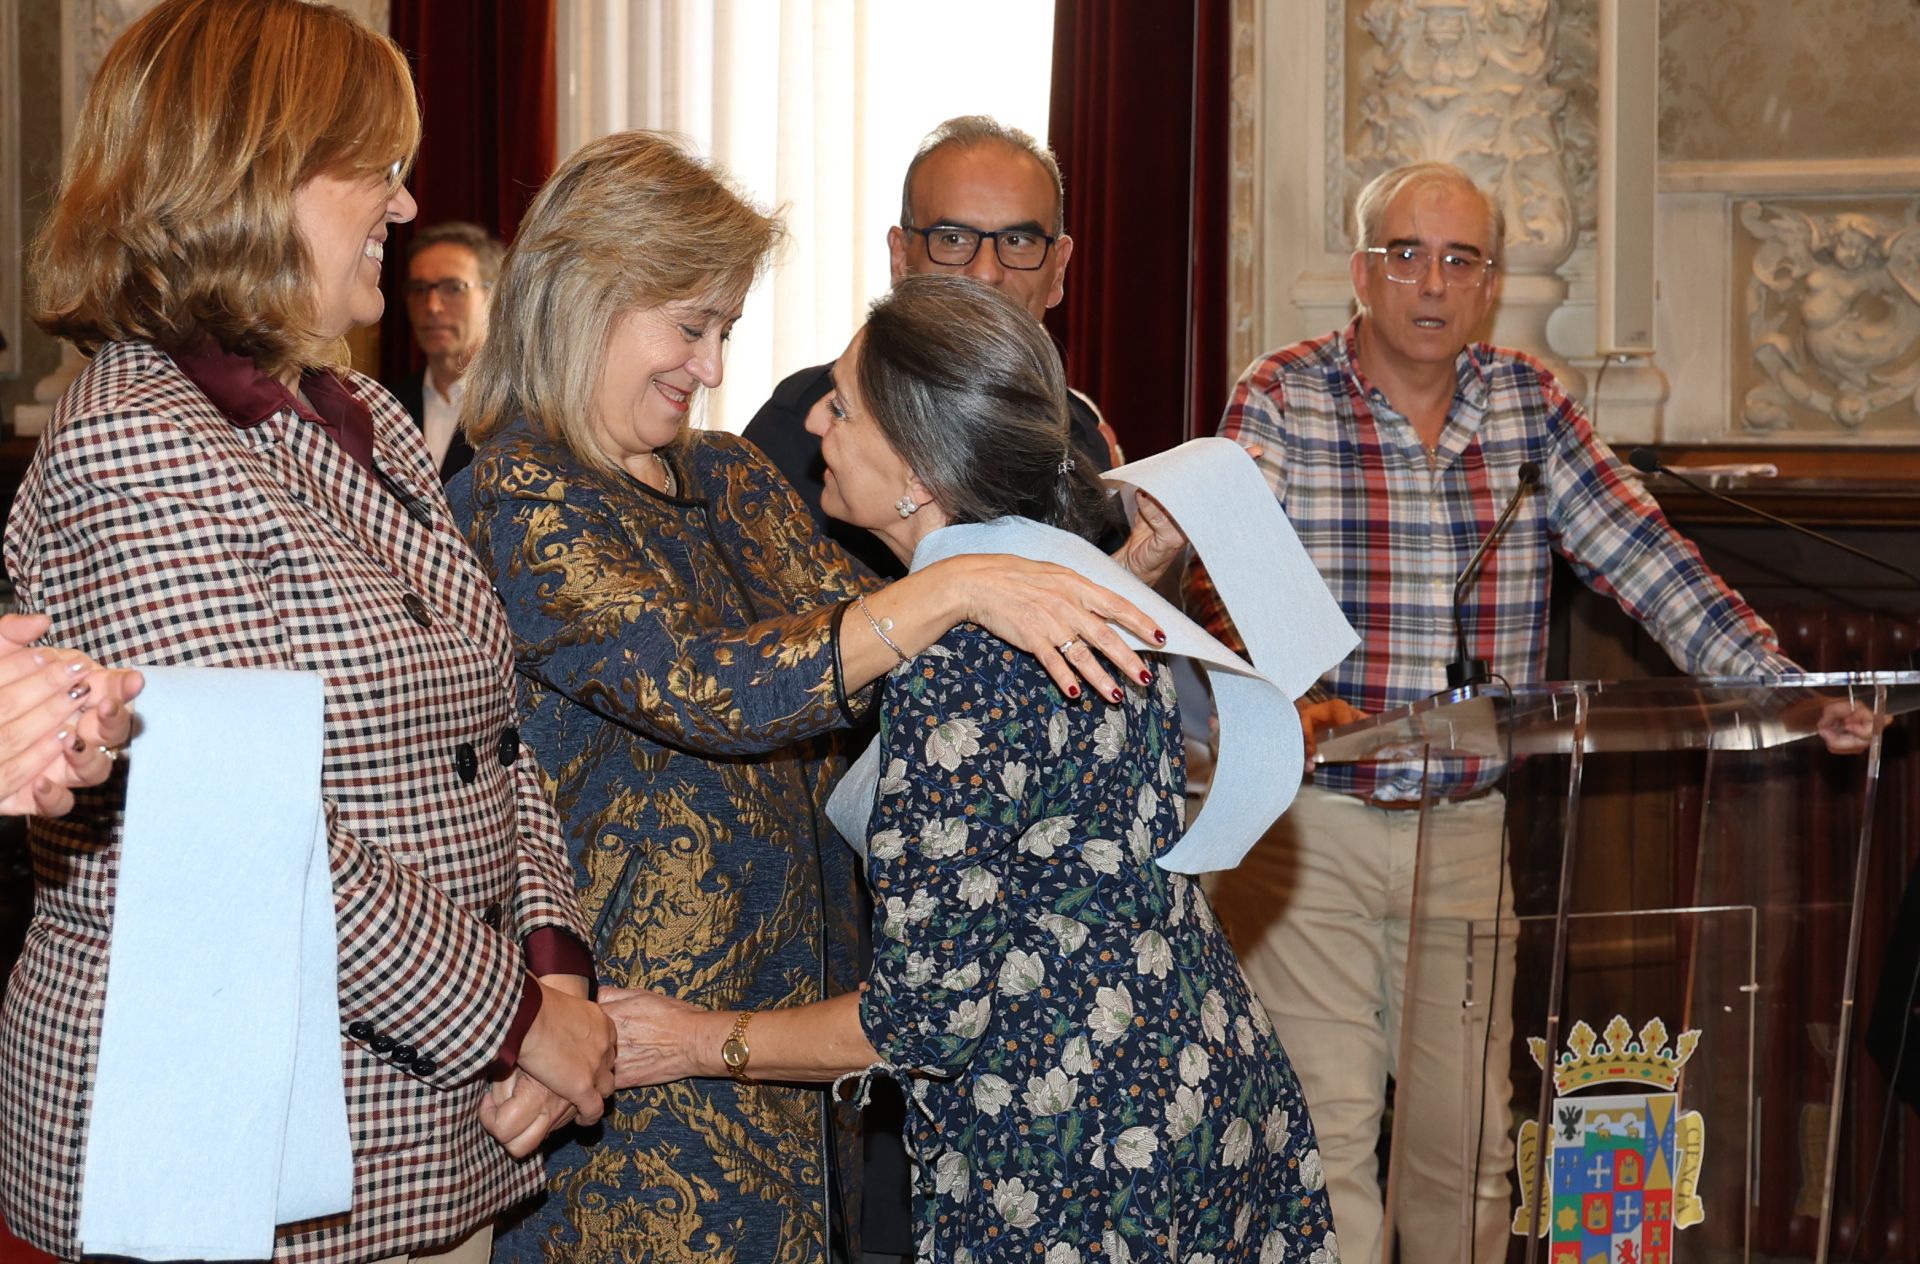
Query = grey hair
x=969 y=390
x=1370 y=209
x=487 y=249
x=969 y=130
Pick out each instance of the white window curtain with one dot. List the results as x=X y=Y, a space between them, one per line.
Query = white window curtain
x=813 y=106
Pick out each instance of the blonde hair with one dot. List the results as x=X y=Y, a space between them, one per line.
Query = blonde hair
x=629 y=222
x=174 y=219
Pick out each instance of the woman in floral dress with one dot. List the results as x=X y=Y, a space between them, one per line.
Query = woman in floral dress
x=1091 y=1078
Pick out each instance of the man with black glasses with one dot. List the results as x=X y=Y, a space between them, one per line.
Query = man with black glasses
x=980 y=199
x=451 y=269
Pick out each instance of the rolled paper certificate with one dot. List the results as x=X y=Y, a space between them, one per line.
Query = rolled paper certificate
x=219 y=1107
x=1292 y=627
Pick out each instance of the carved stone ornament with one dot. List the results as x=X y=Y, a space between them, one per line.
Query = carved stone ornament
x=1481 y=83
x=1833 y=317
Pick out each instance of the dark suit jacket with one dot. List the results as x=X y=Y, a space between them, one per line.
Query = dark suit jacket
x=411 y=391
x=779 y=430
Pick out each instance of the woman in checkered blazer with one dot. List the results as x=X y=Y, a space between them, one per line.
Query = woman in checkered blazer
x=216 y=490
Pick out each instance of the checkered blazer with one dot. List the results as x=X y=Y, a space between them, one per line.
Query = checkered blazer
x=154 y=531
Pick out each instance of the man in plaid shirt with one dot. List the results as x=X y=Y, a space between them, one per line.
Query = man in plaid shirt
x=1393 y=445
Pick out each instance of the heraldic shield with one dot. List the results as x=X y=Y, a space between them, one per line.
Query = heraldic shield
x=1623 y=1170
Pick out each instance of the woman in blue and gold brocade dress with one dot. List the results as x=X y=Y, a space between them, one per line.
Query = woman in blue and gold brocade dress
x=689 y=647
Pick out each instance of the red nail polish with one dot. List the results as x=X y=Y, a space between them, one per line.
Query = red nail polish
x=1160 y=636
x=1146 y=677
x=1073 y=691
x=1117 y=695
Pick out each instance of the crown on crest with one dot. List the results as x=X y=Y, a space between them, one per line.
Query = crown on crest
x=1618 y=1057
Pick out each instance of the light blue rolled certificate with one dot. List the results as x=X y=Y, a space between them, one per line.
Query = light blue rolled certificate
x=1293 y=629
x=219 y=1109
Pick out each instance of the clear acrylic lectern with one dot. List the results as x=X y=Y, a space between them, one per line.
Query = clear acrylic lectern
x=1656 y=1018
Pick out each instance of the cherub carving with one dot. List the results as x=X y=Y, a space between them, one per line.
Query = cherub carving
x=1833 y=309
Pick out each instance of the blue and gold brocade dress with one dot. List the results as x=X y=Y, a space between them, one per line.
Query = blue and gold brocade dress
x=679 y=690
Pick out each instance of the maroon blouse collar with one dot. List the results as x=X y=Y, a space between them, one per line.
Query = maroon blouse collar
x=237 y=387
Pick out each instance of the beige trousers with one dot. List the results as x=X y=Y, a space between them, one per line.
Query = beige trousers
x=1321 y=912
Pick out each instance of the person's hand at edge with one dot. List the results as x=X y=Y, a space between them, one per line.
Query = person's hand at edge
x=1847 y=726
x=1059 y=617
x=1155 y=542
x=59 y=715
x=656 y=1036
x=1317 y=717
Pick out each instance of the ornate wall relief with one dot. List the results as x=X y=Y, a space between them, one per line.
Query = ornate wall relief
x=1805 y=105
x=10 y=231
x=1830 y=292
x=1504 y=88
x=1242 y=203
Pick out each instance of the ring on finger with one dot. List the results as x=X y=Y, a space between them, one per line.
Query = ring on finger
x=1068 y=644
x=111 y=752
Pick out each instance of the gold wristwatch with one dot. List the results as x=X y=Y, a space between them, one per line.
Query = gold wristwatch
x=735 y=1052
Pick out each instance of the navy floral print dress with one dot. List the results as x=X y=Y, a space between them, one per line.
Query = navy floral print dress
x=1096 y=1083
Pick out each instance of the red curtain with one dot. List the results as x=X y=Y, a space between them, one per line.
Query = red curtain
x=485 y=71
x=1139 y=120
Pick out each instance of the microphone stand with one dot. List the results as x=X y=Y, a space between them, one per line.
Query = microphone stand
x=1647 y=461
x=1644 y=460
x=1463 y=671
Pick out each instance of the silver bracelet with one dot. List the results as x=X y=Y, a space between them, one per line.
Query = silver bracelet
x=880 y=629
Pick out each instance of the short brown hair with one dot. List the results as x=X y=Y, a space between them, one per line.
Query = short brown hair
x=174 y=220
x=487 y=249
x=629 y=222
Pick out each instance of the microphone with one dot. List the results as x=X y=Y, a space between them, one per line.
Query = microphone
x=1647 y=461
x=1464 y=671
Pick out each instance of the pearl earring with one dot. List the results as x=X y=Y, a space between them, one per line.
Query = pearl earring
x=906 y=506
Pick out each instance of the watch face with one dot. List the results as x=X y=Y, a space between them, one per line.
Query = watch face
x=734 y=1053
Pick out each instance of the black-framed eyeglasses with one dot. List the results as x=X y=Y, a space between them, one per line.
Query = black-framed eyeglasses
x=449 y=289
x=1409 y=265
x=954 y=245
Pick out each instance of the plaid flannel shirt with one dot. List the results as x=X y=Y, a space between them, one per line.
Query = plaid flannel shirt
x=1390 y=529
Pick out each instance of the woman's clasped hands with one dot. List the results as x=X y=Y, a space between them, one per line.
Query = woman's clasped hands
x=63 y=719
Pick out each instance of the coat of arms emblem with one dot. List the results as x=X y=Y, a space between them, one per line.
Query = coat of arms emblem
x=1623 y=1169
